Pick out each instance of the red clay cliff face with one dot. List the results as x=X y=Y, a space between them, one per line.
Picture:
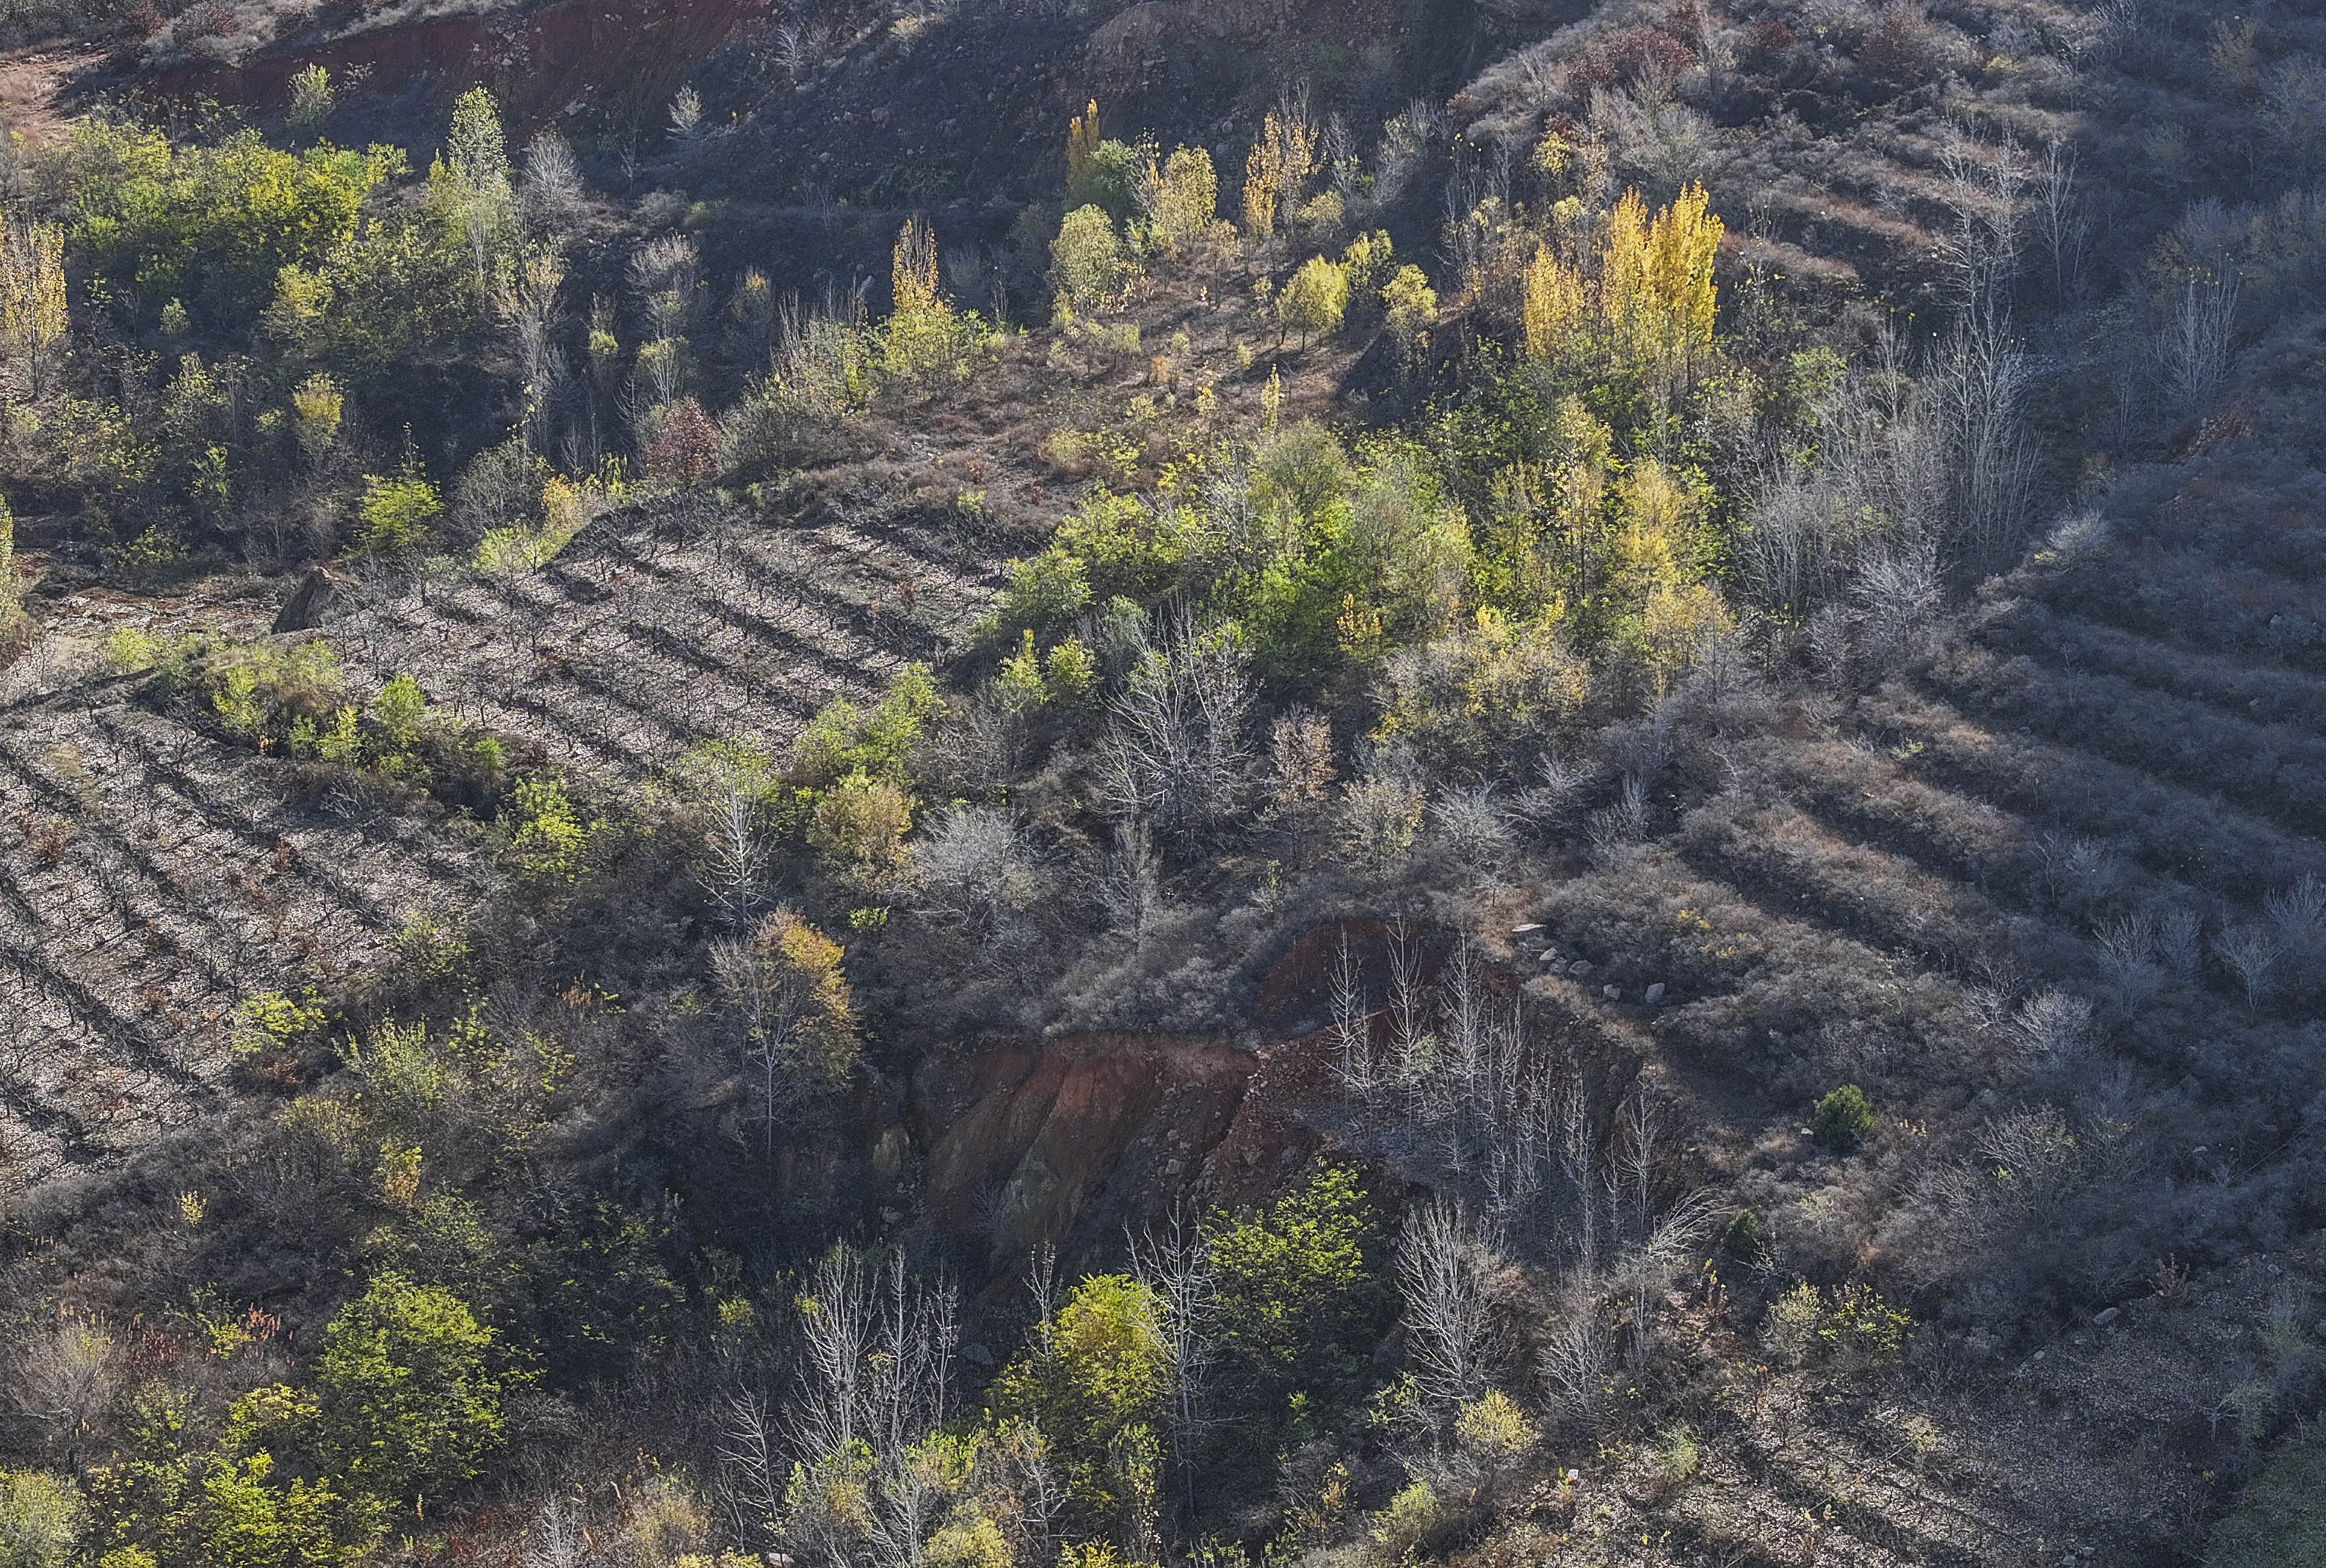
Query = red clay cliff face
x=1038 y=1142
x=1067 y=1141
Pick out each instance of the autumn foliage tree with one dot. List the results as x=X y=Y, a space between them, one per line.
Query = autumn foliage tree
x=800 y=1041
x=32 y=314
x=1276 y=169
x=1647 y=300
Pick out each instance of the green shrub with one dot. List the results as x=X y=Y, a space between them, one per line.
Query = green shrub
x=1842 y=1119
x=41 y=1519
x=1316 y=298
x=547 y=836
x=1048 y=590
x=842 y=739
x=1087 y=267
x=398 y=515
x=214 y=224
x=1746 y=1238
x=410 y=1390
x=858 y=826
x=1107 y=178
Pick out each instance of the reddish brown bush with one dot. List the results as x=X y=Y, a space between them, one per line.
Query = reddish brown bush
x=210 y=19
x=685 y=448
x=1766 y=45
x=1903 y=49
x=1627 y=55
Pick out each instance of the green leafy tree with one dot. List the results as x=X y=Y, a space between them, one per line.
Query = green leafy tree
x=410 y=1387
x=1087 y=267
x=1179 y=198
x=470 y=188
x=211 y=224
x=1095 y=1383
x=1300 y=1308
x=1315 y=299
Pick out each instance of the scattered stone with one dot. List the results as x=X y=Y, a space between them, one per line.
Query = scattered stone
x=2319 y=1328
x=1251 y=1156
x=977 y=1354
x=1550 y=955
x=2104 y=1318
x=1579 y=967
x=1528 y=930
x=1613 y=993
x=1173 y=1167
x=1655 y=993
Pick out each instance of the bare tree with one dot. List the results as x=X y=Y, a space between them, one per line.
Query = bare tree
x=1443 y=1266
x=2125 y=942
x=1353 y=1029
x=1979 y=247
x=1176 y=754
x=1176 y=1265
x=1412 y=1047
x=876 y=1369
x=551 y=198
x=1130 y=883
x=2059 y=220
x=1657 y=1236
x=1977 y=388
x=734 y=859
x=1574 y=1358
x=976 y=873
x=2251 y=953
x=750 y=1476
x=1472 y=829
x=2179 y=944
x=558 y=1539
x=2196 y=347
x=2052 y=1025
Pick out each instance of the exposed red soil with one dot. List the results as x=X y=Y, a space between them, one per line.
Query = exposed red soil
x=33 y=82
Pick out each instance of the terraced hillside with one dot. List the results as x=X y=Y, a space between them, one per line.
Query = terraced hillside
x=151 y=879
x=2054 y=895
x=156 y=876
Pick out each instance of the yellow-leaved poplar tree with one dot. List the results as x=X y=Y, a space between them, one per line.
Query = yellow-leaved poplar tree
x=1276 y=169
x=1656 y=291
x=1554 y=302
x=801 y=1040
x=1082 y=147
x=32 y=314
x=922 y=332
